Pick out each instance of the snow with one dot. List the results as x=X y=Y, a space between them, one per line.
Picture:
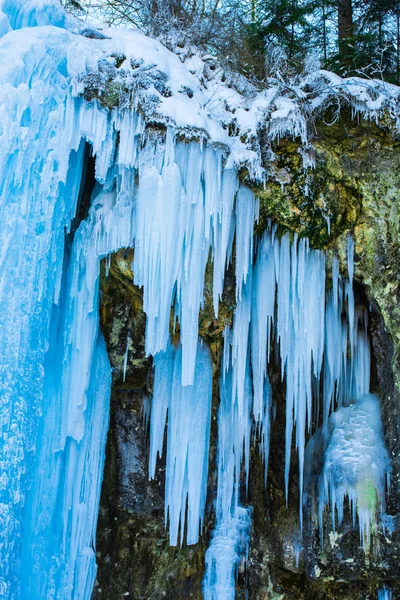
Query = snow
x=181 y=90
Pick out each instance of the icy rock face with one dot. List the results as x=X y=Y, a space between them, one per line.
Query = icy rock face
x=285 y=292
x=32 y=229
x=50 y=319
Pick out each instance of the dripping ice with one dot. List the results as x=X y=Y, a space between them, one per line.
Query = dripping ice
x=187 y=446
x=284 y=295
x=64 y=382
x=177 y=205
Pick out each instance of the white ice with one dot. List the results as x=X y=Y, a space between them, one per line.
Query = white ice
x=188 y=436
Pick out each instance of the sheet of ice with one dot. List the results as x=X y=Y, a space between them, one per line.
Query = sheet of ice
x=33 y=214
x=47 y=452
x=187 y=446
x=70 y=444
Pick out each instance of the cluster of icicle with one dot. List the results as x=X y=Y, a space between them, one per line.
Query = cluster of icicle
x=175 y=204
x=321 y=339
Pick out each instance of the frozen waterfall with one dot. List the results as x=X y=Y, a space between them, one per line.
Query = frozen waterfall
x=178 y=204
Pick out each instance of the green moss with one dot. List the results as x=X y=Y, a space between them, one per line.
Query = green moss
x=355 y=186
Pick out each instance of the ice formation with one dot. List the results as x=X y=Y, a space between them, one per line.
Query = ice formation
x=321 y=337
x=231 y=536
x=178 y=204
x=175 y=203
x=189 y=417
x=356 y=465
x=347 y=458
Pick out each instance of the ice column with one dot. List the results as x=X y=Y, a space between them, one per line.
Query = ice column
x=34 y=212
x=300 y=333
x=230 y=539
x=184 y=209
x=232 y=531
x=188 y=437
x=262 y=320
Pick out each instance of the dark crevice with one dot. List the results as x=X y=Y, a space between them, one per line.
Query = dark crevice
x=88 y=182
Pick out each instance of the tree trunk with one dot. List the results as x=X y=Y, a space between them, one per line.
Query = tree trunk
x=398 y=43
x=324 y=30
x=253 y=11
x=345 y=24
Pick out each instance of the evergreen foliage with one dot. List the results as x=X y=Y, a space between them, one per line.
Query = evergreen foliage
x=349 y=37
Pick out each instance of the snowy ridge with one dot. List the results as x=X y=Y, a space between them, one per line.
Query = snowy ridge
x=189 y=91
x=199 y=99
